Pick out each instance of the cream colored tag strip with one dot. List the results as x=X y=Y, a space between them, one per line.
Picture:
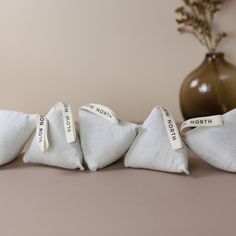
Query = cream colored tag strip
x=171 y=129
x=101 y=111
x=42 y=133
x=68 y=121
x=207 y=121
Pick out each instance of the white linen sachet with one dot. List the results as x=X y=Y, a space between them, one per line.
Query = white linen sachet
x=104 y=139
x=15 y=130
x=158 y=145
x=56 y=142
x=214 y=139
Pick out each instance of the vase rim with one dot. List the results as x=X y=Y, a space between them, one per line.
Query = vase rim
x=214 y=53
x=211 y=56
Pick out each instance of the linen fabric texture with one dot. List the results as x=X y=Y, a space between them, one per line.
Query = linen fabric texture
x=104 y=142
x=152 y=149
x=216 y=145
x=16 y=128
x=60 y=153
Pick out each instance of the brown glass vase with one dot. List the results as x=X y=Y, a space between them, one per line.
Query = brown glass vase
x=210 y=89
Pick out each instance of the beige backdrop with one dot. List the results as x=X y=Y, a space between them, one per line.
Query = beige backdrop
x=123 y=53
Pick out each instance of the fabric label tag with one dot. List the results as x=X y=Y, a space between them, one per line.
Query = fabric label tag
x=42 y=133
x=171 y=129
x=68 y=121
x=207 y=121
x=101 y=111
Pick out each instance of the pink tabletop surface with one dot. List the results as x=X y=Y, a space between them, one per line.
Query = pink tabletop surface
x=115 y=201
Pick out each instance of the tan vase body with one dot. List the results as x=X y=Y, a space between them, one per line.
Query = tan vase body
x=210 y=89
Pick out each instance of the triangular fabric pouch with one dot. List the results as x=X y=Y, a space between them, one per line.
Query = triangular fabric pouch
x=15 y=130
x=214 y=139
x=56 y=141
x=158 y=145
x=104 y=139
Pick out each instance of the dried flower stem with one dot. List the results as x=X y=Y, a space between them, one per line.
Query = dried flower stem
x=197 y=18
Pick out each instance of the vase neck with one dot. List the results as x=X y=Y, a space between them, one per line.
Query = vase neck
x=214 y=57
